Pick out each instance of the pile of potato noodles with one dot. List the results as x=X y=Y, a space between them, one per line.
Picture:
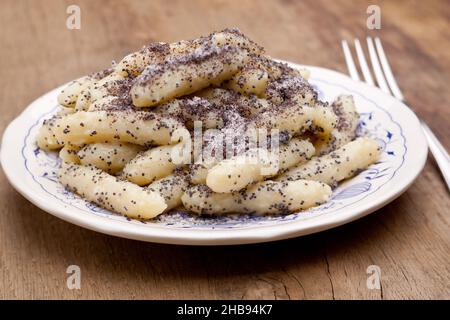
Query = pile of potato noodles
x=127 y=135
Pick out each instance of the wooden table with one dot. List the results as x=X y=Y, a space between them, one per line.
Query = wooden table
x=408 y=239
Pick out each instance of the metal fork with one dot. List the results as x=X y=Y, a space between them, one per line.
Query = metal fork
x=386 y=82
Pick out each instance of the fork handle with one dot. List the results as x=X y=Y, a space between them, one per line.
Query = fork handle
x=439 y=153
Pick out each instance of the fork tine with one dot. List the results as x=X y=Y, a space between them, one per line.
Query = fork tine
x=387 y=70
x=363 y=63
x=376 y=67
x=349 y=60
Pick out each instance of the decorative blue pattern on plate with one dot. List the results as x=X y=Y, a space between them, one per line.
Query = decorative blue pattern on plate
x=375 y=122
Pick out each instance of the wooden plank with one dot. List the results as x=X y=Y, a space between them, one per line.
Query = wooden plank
x=408 y=239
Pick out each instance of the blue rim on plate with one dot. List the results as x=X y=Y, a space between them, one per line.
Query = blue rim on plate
x=377 y=121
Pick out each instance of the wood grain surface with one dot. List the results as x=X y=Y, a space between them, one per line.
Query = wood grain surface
x=408 y=239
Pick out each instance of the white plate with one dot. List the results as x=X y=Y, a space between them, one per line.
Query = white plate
x=32 y=172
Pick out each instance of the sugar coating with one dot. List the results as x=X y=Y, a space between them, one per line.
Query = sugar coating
x=338 y=165
x=126 y=121
x=111 y=193
x=268 y=197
